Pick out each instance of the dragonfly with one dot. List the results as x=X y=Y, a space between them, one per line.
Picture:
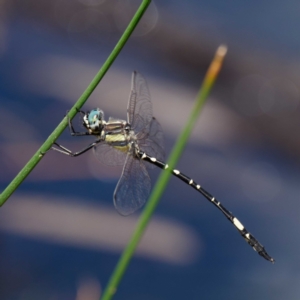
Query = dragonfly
x=138 y=144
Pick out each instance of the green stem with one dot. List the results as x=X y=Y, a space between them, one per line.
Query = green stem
x=164 y=176
x=80 y=102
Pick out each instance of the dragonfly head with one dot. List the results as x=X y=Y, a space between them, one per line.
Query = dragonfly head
x=94 y=120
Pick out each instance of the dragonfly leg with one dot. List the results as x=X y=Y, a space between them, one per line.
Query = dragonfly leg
x=71 y=127
x=66 y=151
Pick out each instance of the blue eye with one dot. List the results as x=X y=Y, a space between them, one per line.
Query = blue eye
x=94 y=115
x=95 y=118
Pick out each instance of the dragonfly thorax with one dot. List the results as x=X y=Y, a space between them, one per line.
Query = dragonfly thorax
x=118 y=134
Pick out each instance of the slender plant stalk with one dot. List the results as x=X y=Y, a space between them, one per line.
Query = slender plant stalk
x=164 y=177
x=80 y=102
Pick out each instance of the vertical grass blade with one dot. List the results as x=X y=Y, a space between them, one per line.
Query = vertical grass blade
x=80 y=102
x=164 y=177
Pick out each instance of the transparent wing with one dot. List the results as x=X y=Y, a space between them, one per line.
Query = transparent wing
x=152 y=142
x=133 y=188
x=109 y=155
x=139 y=114
x=139 y=102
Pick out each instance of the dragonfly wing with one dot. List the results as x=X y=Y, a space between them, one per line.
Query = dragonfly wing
x=109 y=155
x=133 y=188
x=152 y=142
x=148 y=131
x=139 y=101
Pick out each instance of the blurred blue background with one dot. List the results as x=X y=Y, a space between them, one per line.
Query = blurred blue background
x=60 y=236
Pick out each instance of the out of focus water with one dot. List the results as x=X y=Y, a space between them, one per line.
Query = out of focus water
x=60 y=237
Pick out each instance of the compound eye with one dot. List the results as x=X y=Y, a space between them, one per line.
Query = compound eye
x=95 y=119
